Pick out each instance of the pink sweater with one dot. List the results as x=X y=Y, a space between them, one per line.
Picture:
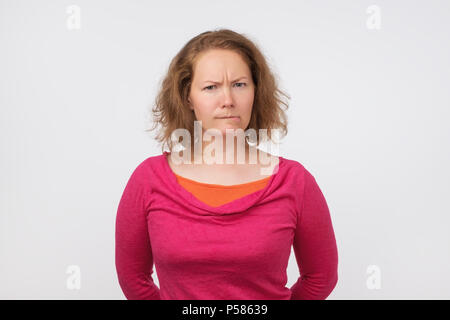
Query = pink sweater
x=237 y=251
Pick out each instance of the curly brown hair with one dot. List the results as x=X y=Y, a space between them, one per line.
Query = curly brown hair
x=171 y=109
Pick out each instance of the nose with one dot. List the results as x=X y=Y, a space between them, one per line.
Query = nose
x=227 y=97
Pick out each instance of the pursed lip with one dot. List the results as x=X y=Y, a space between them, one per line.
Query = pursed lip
x=228 y=117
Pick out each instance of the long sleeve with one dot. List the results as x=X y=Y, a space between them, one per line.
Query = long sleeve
x=133 y=252
x=314 y=246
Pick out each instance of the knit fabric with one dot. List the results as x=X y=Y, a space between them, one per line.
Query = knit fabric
x=235 y=251
x=215 y=194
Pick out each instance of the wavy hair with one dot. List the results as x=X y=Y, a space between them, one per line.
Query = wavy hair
x=171 y=109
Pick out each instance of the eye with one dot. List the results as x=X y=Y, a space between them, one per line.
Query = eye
x=208 y=87
x=243 y=84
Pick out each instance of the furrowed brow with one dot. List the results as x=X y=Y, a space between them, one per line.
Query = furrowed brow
x=240 y=78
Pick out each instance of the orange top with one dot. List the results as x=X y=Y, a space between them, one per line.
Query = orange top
x=216 y=194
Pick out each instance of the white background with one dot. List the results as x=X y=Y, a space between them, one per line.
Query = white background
x=368 y=117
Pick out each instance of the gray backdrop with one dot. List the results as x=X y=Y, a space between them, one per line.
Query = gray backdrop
x=369 y=82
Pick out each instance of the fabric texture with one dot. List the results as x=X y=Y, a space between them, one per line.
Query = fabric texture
x=215 y=194
x=235 y=251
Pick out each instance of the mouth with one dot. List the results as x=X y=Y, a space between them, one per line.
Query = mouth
x=234 y=119
x=230 y=117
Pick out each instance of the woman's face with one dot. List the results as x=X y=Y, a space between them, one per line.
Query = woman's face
x=222 y=86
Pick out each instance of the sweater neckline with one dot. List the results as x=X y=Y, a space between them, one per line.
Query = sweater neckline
x=235 y=206
x=221 y=186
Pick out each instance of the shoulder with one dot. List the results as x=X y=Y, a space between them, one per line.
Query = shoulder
x=294 y=165
x=150 y=163
x=144 y=170
x=303 y=183
x=297 y=171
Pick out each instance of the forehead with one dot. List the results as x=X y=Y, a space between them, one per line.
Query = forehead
x=215 y=62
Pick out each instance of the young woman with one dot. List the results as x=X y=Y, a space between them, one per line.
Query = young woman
x=222 y=229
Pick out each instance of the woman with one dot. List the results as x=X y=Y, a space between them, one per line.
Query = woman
x=222 y=230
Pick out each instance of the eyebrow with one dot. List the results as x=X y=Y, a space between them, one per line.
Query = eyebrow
x=240 y=78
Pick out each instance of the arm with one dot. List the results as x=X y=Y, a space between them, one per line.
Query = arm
x=134 y=260
x=314 y=246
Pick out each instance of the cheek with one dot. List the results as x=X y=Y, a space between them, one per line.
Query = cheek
x=247 y=104
x=204 y=108
x=248 y=96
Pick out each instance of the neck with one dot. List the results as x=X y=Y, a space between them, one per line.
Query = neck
x=236 y=152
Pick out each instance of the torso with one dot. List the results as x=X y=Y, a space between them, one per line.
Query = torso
x=225 y=174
